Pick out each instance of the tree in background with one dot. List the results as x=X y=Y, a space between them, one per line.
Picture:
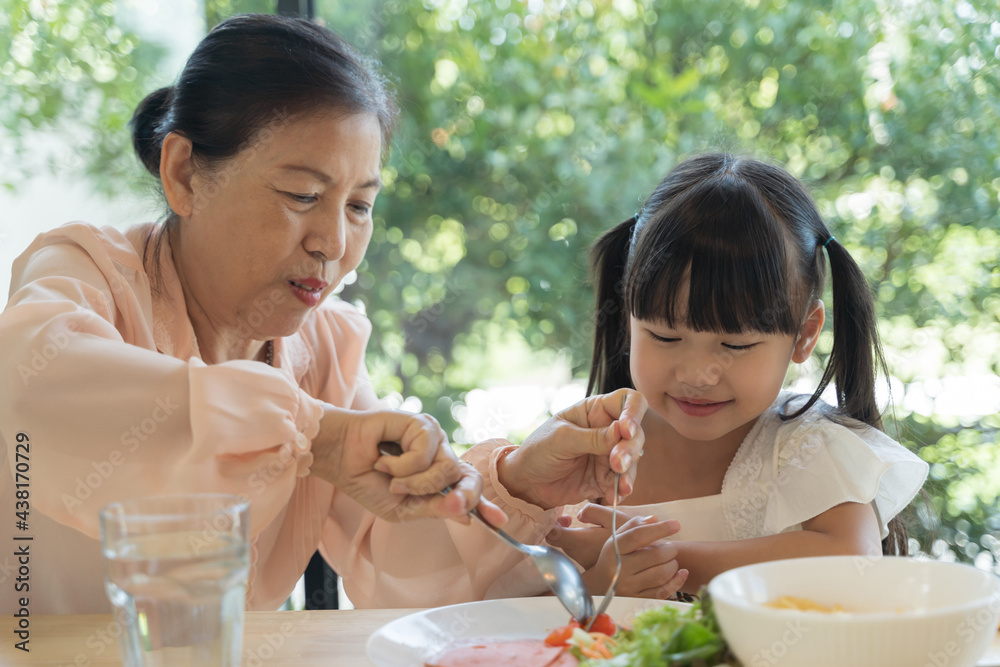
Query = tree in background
x=531 y=127
x=70 y=80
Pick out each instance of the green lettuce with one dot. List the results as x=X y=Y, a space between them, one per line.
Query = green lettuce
x=669 y=637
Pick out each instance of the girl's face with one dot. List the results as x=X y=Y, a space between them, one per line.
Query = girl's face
x=269 y=235
x=708 y=386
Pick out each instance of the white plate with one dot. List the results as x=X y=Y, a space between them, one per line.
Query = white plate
x=421 y=637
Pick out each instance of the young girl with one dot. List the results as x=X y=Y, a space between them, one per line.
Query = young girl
x=705 y=298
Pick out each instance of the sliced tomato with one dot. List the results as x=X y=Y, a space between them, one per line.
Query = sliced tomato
x=560 y=636
x=604 y=625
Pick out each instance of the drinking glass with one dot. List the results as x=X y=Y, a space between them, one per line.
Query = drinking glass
x=175 y=570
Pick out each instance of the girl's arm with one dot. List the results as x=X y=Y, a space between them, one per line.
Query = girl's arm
x=847 y=529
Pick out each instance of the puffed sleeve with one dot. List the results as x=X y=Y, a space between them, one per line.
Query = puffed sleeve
x=110 y=417
x=820 y=464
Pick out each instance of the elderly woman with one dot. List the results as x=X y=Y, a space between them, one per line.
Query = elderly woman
x=203 y=354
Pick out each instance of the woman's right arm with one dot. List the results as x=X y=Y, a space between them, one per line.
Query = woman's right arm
x=109 y=417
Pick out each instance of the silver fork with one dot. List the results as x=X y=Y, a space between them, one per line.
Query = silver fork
x=618 y=558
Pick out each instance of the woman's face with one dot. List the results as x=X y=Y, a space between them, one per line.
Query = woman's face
x=274 y=230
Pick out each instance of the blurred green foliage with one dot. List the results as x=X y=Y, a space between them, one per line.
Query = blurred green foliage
x=74 y=73
x=529 y=128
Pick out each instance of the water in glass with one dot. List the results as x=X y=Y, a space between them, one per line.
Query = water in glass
x=183 y=594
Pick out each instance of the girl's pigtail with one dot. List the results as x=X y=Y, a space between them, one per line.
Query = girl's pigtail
x=856 y=357
x=609 y=369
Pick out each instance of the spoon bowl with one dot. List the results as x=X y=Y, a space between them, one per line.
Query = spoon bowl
x=565 y=582
x=558 y=571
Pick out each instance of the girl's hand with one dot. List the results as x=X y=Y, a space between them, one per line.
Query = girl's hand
x=584 y=543
x=576 y=453
x=649 y=561
x=397 y=488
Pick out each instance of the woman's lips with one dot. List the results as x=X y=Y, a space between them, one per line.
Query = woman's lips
x=308 y=290
x=697 y=407
x=311 y=283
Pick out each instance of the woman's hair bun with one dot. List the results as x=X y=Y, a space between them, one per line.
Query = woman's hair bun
x=148 y=128
x=249 y=73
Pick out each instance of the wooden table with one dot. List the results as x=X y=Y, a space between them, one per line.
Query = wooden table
x=270 y=639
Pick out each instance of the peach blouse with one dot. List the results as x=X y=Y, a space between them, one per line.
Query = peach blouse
x=105 y=397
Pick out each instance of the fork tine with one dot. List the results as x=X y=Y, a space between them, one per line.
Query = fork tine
x=618 y=558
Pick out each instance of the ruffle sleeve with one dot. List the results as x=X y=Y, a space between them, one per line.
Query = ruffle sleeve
x=818 y=464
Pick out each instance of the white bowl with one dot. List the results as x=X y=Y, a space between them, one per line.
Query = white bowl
x=899 y=612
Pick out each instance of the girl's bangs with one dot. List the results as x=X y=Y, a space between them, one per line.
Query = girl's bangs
x=719 y=246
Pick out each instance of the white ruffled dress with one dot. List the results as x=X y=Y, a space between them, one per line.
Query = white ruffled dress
x=787 y=472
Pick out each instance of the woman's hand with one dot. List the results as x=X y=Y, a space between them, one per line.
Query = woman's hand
x=397 y=488
x=649 y=560
x=575 y=454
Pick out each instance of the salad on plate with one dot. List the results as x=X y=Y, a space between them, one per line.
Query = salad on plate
x=660 y=637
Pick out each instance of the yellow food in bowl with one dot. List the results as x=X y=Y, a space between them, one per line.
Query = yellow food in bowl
x=802 y=604
x=897 y=612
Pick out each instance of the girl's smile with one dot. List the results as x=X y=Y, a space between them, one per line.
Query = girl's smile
x=711 y=387
x=699 y=407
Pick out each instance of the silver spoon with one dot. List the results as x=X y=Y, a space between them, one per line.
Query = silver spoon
x=556 y=568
